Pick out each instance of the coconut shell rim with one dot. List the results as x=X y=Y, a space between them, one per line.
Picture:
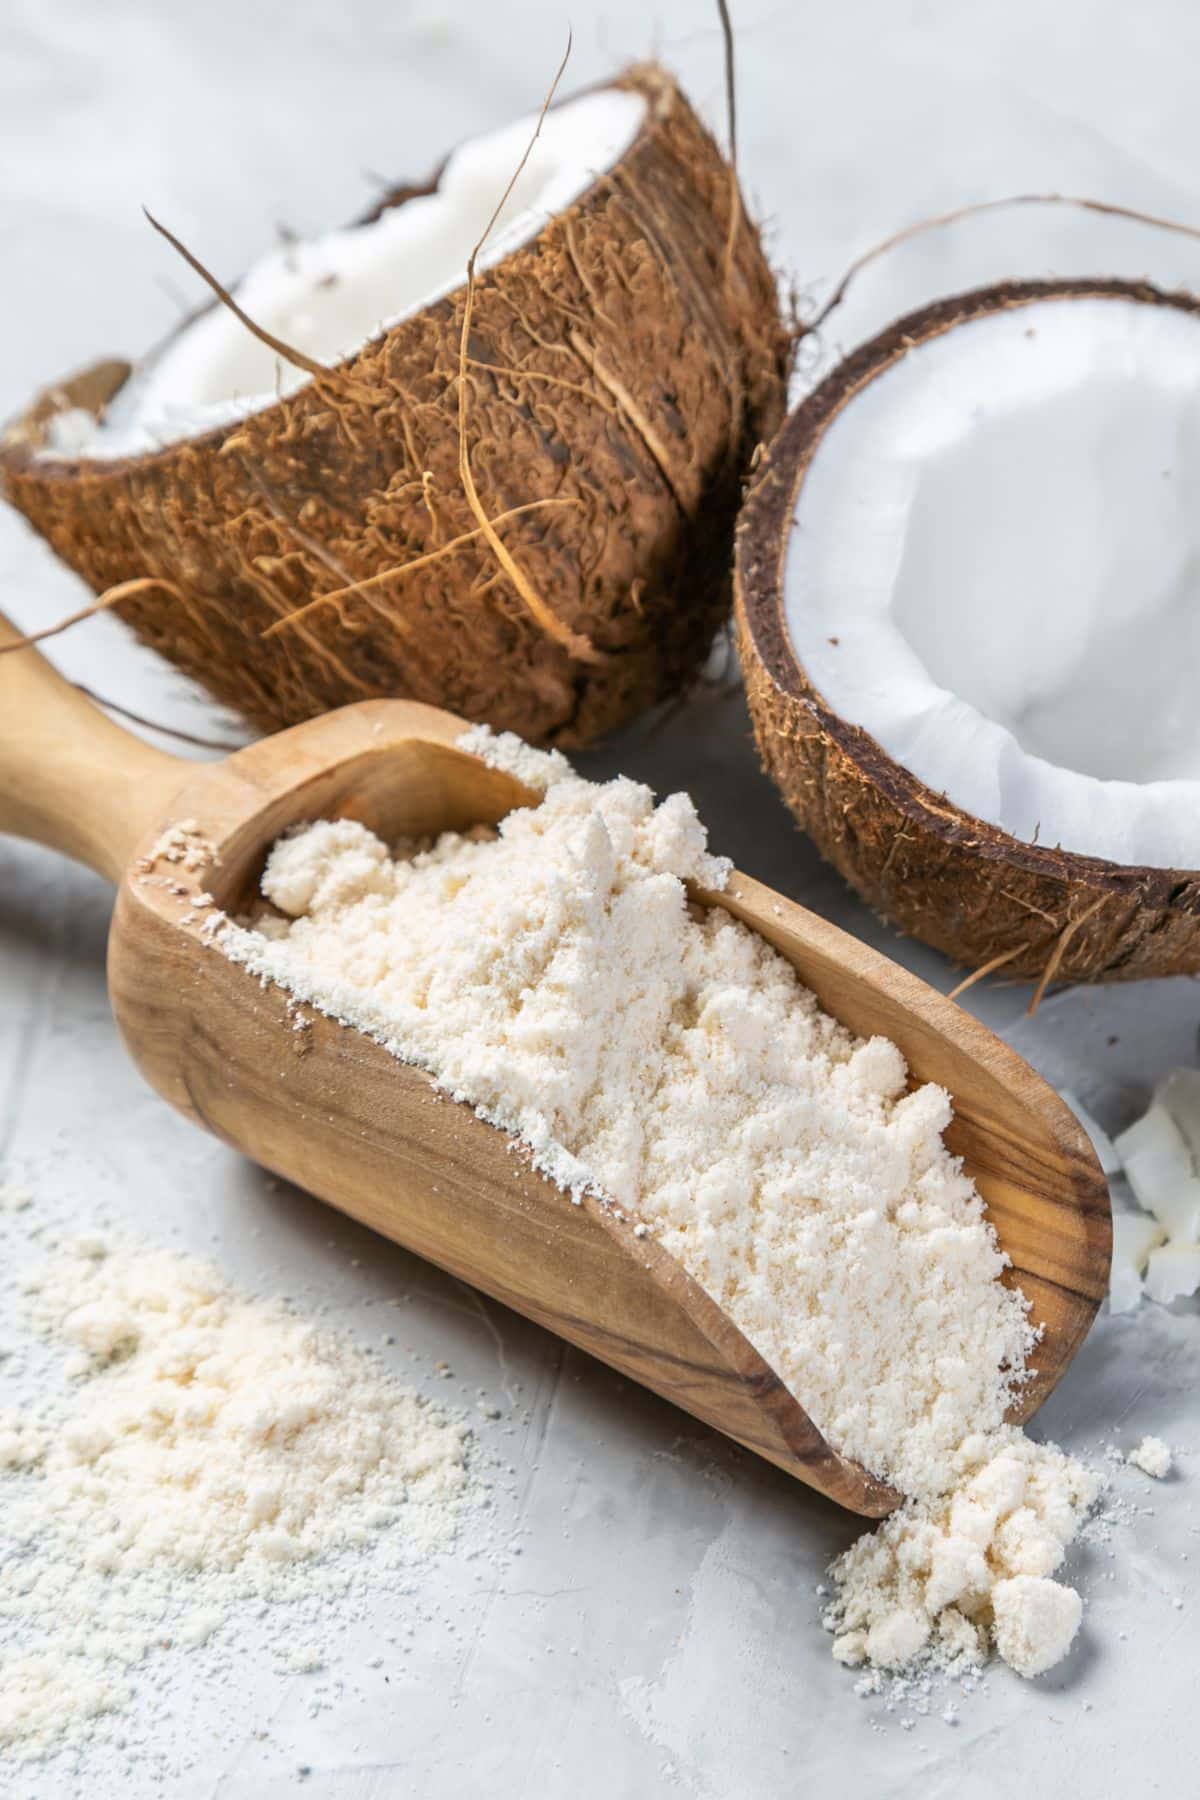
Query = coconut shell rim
x=18 y=438
x=763 y=531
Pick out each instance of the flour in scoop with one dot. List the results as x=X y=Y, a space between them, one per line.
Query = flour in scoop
x=555 y=975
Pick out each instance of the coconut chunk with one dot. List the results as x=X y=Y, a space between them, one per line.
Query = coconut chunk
x=1101 y=1142
x=1134 y=1237
x=1179 y=1094
x=1158 y=1166
x=1176 y=1206
x=1173 y=1272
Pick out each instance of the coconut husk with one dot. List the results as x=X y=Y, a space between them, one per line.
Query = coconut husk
x=623 y=368
x=966 y=887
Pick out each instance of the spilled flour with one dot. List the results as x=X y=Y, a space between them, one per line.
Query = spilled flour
x=1152 y=1457
x=211 y=1450
x=951 y=1571
x=555 y=976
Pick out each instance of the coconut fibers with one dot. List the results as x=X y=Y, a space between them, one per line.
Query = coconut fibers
x=556 y=976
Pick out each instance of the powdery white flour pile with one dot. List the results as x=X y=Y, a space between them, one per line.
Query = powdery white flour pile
x=211 y=1450
x=556 y=977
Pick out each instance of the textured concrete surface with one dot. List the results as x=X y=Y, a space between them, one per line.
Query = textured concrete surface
x=658 y=1633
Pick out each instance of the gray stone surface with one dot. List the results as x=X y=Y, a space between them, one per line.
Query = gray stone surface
x=658 y=1633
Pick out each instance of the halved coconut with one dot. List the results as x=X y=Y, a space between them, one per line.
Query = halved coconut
x=968 y=600
x=620 y=364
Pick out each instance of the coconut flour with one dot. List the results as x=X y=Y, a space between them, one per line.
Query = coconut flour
x=556 y=976
x=1152 y=1457
x=211 y=1453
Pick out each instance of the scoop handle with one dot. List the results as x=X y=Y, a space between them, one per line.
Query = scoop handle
x=69 y=777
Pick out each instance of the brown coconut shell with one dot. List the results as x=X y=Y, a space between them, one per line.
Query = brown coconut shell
x=951 y=880
x=617 y=360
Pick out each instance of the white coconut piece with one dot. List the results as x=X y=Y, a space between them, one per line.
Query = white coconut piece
x=1102 y=1144
x=1124 y=1286
x=1179 y=1095
x=1173 y=1272
x=1176 y=1206
x=963 y=581
x=329 y=296
x=1158 y=1166
x=1134 y=1237
x=1154 y=1132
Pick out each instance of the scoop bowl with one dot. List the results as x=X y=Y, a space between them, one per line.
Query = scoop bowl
x=329 y=1109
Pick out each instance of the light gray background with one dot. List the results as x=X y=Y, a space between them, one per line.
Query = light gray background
x=658 y=1633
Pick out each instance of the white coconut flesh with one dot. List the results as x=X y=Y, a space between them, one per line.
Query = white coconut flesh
x=331 y=295
x=995 y=570
x=1156 y=1251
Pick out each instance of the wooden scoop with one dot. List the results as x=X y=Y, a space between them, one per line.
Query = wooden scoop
x=330 y=1110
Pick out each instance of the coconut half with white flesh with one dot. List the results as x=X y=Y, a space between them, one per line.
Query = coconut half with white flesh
x=626 y=356
x=968 y=604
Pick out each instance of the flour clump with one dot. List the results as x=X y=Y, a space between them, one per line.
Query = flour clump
x=1152 y=1457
